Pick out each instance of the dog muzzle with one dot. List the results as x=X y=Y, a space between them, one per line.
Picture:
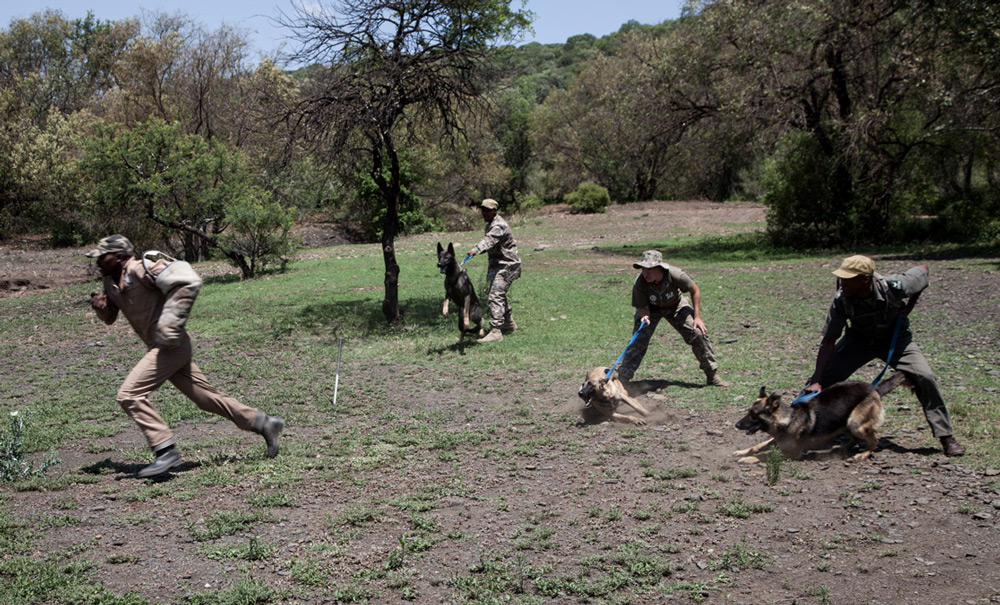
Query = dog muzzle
x=749 y=427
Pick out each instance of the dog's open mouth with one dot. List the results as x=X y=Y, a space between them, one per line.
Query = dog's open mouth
x=753 y=429
x=748 y=426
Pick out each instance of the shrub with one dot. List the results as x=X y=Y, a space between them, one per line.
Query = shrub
x=258 y=230
x=589 y=198
x=12 y=463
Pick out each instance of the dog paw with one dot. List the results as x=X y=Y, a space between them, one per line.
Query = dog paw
x=748 y=460
x=741 y=452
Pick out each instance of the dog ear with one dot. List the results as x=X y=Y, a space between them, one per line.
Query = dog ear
x=763 y=393
x=439 y=248
x=451 y=248
x=773 y=401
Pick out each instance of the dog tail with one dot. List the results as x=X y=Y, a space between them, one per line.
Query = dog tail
x=890 y=383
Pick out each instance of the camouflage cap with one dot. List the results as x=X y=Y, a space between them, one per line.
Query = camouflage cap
x=854 y=266
x=650 y=259
x=112 y=244
x=489 y=204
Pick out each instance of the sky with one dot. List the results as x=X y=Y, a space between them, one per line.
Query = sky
x=555 y=20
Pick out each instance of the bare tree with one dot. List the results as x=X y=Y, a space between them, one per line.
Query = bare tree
x=382 y=63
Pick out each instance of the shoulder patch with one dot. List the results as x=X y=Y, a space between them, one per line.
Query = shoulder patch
x=895 y=284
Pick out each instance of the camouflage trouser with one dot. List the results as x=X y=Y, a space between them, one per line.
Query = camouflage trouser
x=682 y=320
x=500 y=279
x=851 y=354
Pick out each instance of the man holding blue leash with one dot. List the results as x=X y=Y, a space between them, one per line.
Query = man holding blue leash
x=875 y=310
x=505 y=266
x=659 y=292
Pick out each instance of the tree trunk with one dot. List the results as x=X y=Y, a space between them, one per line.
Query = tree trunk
x=390 y=192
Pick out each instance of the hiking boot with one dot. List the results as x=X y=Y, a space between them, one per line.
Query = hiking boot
x=624 y=378
x=508 y=326
x=270 y=428
x=493 y=336
x=712 y=379
x=952 y=447
x=166 y=459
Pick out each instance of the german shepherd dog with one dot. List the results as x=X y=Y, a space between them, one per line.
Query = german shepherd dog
x=603 y=396
x=846 y=407
x=458 y=289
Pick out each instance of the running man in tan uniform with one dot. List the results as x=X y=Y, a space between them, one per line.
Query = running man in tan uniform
x=155 y=296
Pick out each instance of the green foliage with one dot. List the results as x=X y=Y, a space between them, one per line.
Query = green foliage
x=801 y=207
x=773 y=463
x=258 y=231
x=248 y=591
x=24 y=581
x=13 y=465
x=372 y=209
x=588 y=198
x=199 y=191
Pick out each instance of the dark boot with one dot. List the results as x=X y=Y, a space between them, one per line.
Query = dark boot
x=952 y=447
x=166 y=458
x=270 y=428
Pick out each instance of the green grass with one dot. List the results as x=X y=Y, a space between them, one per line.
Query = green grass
x=388 y=477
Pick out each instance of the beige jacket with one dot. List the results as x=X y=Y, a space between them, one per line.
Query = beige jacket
x=156 y=300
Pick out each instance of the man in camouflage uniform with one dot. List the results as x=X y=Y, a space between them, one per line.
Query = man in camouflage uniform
x=505 y=267
x=872 y=304
x=158 y=317
x=658 y=293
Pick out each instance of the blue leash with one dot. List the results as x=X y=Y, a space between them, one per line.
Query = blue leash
x=892 y=349
x=622 y=356
x=466 y=259
x=888 y=358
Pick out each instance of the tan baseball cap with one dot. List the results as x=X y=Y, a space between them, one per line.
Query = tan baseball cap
x=854 y=266
x=112 y=244
x=489 y=203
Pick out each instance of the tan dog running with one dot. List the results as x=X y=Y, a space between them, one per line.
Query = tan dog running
x=603 y=396
x=846 y=407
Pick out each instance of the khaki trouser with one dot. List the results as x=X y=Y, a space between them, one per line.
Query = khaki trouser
x=682 y=320
x=500 y=279
x=851 y=354
x=160 y=365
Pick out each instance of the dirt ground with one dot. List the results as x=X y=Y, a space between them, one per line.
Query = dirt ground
x=572 y=501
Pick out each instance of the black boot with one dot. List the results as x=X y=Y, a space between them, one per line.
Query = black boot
x=166 y=458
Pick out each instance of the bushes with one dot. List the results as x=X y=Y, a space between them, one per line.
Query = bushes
x=258 y=231
x=589 y=198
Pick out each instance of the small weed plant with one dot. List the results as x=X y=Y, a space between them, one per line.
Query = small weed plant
x=773 y=462
x=13 y=466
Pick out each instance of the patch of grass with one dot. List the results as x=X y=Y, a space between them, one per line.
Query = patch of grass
x=254 y=550
x=357 y=515
x=24 y=581
x=224 y=523
x=740 y=509
x=248 y=591
x=271 y=500
x=739 y=557
x=670 y=474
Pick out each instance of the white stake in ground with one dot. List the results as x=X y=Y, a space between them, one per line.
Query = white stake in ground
x=336 y=381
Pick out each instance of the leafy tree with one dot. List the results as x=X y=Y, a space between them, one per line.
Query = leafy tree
x=385 y=63
x=878 y=86
x=188 y=186
x=620 y=121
